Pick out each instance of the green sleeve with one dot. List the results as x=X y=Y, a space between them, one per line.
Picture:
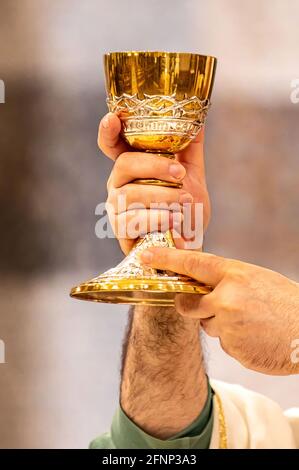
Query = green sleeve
x=125 y=434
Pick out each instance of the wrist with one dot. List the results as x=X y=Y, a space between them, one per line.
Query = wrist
x=165 y=322
x=164 y=385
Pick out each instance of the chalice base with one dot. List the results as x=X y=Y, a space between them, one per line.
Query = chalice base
x=130 y=282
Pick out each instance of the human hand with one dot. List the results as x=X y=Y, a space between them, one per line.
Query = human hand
x=252 y=310
x=129 y=165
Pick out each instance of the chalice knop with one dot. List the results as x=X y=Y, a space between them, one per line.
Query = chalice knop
x=162 y=99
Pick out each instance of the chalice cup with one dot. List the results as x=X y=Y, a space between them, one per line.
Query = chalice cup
x=162 y=99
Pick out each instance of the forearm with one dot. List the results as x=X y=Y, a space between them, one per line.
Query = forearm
x=164 y=386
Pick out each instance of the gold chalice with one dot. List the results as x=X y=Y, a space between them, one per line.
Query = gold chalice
x=162 y=99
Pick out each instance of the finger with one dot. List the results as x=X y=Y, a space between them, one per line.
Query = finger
x=133 y=165
x=203 y=267
x=109 y=138
x=126 y=245
x=210 y=326
x=134 y=196
x=118 y=222
x=136 y=223
x=193 y=305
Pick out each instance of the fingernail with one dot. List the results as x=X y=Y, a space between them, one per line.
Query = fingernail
x=146 y=257
x=185 y=198
x=177 y=171
x=106 y=121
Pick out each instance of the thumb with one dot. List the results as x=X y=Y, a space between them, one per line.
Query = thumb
x=203 y=267
x=109 y=138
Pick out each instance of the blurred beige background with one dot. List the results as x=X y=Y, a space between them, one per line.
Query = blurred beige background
x=59 y=385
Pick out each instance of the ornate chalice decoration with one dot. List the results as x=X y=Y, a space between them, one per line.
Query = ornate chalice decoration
x=162 y=100
x=177 y=122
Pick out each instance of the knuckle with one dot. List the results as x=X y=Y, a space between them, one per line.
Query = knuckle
x=127 y=197
x=217 y=261
x=238 y=276
x=190 y=263
x=225 y=303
